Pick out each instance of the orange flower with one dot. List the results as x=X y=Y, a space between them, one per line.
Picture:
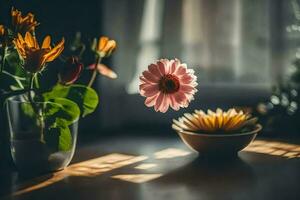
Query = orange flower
x=105 y=46
x=2 y=35
x=35 y=57
x=2 y=30
x=22 y=24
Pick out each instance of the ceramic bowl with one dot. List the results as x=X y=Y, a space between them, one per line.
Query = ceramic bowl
x=218 y=144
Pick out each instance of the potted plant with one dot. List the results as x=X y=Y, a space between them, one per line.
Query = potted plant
x=43 y=118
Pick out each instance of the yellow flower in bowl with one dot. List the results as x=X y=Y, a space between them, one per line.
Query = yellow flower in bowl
x=212 y=122
x=217 y=133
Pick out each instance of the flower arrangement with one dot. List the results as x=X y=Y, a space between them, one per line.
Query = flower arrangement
x=25 y=64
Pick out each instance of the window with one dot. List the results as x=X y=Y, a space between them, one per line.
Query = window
x=236 y=47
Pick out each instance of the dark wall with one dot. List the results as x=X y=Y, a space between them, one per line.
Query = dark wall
x=59 y=17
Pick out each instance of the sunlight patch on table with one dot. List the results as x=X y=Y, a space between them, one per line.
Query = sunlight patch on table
x=146 y=166
x=89 y=168
x=137 y=178
x=282 y=149
x=171 y=153
x=103 y=164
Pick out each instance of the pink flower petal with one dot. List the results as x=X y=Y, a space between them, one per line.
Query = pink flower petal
x=154 y=70
x=150 y=77
x=149 y=90
x=145 y=85
x=189 y=97
x=158 y=101
x=186 y=88
x=174 y=105
x=179 y=97
x=161 y=67
x=150 y=101
x=180 y=71
x=165 y=104
x=173 y=67
x=143 y=80
x=167 y=65
x=186 y=79
x=190 y=71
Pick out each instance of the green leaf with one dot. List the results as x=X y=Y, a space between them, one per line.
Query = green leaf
x=59 y=114
x=53 y=109
x=59 y=138
x=85 y=97
x=61 y=108
x=28 y=110
x=65 y=137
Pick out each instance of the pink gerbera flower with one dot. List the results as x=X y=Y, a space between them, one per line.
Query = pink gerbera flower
x=168 y=83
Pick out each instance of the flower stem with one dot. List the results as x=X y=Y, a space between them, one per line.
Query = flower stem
x=94 y=75
x=36 y=81
x=81 y=51
x=31 y=88
x=3 y=58
x=35 y=108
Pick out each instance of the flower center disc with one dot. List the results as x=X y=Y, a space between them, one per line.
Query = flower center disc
x=169 y=84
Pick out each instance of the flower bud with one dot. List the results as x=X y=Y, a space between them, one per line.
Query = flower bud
x=105 y=47
x=71 y=70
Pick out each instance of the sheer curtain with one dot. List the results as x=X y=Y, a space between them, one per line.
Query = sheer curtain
x=231 y=44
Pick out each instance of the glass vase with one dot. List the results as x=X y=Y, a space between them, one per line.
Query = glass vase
x=37 y=145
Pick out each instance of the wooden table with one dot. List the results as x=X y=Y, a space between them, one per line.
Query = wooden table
x=148 y=167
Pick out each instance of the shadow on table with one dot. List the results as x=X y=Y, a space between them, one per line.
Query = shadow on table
x=213 y=173
x=252 y=175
